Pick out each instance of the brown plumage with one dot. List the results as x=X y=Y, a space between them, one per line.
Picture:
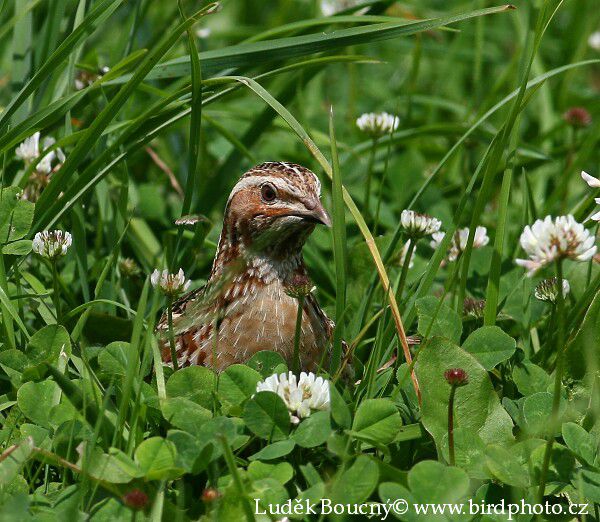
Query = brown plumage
x=245 y=307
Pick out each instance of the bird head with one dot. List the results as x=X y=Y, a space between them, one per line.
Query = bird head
x=273 y=208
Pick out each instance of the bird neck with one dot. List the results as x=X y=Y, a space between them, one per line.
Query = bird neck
x=278 y=261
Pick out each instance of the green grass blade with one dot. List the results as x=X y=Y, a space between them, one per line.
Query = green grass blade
x=194 y=148
x=56 y=11
x=296 y=46
x=133 y=364
x=339 y=250
x=493 y=284
x=22 y=55
x=41 y=118
x=79 y=245
x=329 y=21
x=7 y=315
x=230 y=137
x=88 y=304
x=14 y=314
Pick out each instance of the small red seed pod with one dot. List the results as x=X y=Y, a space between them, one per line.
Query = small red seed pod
x=210 y=495
x=135 y=499
x=456 y=377
x=578 y=117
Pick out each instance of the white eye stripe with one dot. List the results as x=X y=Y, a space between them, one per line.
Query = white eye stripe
x=277 y=182
x=257 y=181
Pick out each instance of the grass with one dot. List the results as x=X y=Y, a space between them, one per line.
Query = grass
x=93 y=424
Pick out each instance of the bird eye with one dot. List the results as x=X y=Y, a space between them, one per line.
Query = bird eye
x=268 y=193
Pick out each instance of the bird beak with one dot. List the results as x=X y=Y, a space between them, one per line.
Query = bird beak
x=319 y=215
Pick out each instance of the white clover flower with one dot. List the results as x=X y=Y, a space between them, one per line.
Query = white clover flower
x=459 y=241
x=594 y=41
x=419 y=225
x=170 y=284
x=547 y=290
x=594 y=183
x=301 y=397
x=548 y=240
x=271 y=383
x=596 y=216
x=479 y=240
x=590 y=180
x=29 y=151
x=315 y=391
x=331 y=7
x=203 y=32
x=436 y=239
x=45 y=164
x=51 y=243
x=377 y=124
x=404 y=253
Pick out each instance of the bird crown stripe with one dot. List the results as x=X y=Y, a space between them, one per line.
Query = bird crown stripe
x=294 y=167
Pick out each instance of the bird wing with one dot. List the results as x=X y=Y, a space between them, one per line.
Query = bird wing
x=328 y=325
